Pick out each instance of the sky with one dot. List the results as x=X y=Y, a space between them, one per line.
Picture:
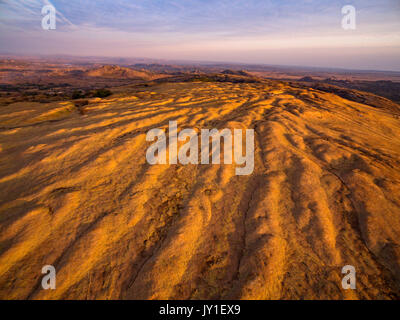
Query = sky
x=280 y=32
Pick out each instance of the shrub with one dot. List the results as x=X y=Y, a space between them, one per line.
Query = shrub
x=102 y=93
x=77 y=94
x=81 y=103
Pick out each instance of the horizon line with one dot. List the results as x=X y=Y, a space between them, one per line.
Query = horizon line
x=189 y=61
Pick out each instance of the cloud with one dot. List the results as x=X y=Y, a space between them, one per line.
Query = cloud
x=24 y=15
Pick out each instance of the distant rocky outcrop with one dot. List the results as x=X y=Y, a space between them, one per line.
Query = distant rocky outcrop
x=114 y=71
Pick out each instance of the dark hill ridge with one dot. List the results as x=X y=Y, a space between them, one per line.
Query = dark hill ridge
x=236 y=72
x=359 y=96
